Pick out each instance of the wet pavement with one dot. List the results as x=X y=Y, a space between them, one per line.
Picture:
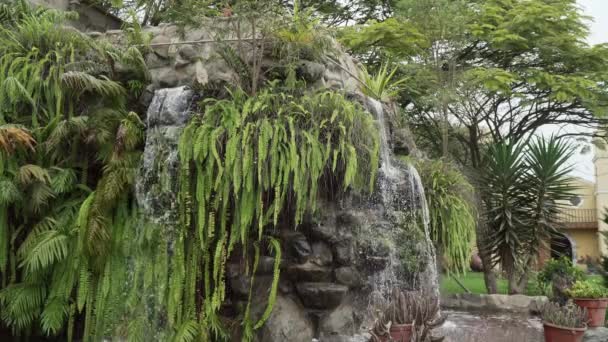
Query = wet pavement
x=490 y=327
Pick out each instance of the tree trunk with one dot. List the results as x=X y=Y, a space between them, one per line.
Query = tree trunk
x=490 y=279
x=486 y=259
x=518 y=280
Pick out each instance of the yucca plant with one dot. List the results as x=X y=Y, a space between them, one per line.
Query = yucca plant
x=522 y=191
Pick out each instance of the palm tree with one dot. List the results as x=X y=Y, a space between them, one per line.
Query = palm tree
x=522 y=191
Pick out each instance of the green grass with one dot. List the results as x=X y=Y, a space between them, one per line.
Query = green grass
x=475 y=283
x=472 y=281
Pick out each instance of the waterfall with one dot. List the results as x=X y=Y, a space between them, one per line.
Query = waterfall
x=401 y=190
x=430 y=275
x=156 y=187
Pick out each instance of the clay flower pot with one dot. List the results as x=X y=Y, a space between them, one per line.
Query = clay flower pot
x=401 y=332
x=555 y=333
x=596 y=310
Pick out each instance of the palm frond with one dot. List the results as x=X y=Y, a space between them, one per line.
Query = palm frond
x=79 y=82
x=14 y=136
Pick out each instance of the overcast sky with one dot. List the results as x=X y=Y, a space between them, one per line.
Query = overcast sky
x=598 y=9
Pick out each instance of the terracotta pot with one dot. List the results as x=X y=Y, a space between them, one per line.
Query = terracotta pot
x=401 y=332
x=596 y=310
x=555 y=333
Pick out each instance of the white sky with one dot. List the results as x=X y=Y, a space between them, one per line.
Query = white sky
x=598 y=10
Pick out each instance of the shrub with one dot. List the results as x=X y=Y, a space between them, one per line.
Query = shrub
x=558 y=268
x=588 y=289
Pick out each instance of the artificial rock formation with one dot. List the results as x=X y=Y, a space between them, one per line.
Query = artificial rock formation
x=341 y=255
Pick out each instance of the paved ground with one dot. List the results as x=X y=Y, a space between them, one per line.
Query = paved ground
x=486 y=327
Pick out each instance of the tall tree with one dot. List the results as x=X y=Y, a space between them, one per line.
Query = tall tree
x=521 y=65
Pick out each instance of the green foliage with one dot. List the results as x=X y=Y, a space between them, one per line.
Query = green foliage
x=302 y=36
x=407 y=242
x=587 y=289
x=397 y=38
x=68 y=155
x=382 y=86
x=453 y=216
x=522 y=189
x=247 y=163
x=558 y=268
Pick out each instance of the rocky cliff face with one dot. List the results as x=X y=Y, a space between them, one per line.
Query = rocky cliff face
x=351 y=251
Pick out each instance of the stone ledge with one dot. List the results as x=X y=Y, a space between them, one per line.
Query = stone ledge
x=495 y=302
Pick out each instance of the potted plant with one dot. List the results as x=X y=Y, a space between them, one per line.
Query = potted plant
x=564 y=323
x=593 y=297
x=427 y=317
x=395 y=323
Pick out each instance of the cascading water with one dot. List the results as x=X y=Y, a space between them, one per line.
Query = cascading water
x=156 y=187
x=402 y=191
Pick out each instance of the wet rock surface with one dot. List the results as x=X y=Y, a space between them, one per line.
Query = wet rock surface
x=328 y=268
x=321 y=295
x=287 y=323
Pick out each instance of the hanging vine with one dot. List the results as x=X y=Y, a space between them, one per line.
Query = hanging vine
x=248 y=163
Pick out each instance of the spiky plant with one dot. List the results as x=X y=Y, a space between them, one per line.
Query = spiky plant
x=382 y=85
x=570 y=315
x=523 y=187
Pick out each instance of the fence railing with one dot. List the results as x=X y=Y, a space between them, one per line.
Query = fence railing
x=578 y=218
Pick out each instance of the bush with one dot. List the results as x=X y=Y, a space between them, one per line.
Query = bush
x=588 y=289
x=558 y=268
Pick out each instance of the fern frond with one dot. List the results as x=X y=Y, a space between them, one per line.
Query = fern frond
x=79 y=82
x=33 y=173
x=54 y=315
x=49 y=248
x=186 y=332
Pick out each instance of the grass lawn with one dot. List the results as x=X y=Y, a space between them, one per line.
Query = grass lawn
x=472 y=281
x=475 y=283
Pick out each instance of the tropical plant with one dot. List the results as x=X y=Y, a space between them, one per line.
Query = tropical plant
x=453 y=216
x=587 y=289
x=69 y=150
x=417 y=308
x=243 y=160
x=381 y=86
x=522 y=191
x=427 y=317
x=569 y=316
x=302 y=36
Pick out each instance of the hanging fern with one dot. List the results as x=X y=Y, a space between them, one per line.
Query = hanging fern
x=243 y=160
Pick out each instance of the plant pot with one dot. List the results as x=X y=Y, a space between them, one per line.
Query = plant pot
x=555 y=333
x=596 y=310
x=400 y=333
